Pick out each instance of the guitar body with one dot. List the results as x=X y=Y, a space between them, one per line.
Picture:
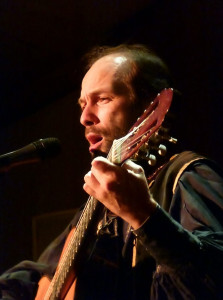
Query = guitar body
x=44 y=284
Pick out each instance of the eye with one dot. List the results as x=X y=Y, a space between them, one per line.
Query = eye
x=103 y=100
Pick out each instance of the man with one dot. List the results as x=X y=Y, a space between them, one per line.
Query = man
x=108 y=113
x=162 y=241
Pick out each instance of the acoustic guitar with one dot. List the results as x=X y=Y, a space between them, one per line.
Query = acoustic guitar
x=147 y=139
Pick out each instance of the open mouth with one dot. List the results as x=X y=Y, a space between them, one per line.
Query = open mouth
x=94 y=140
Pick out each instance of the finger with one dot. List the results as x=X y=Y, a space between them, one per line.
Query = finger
x=91 y=184
x=89 y=190
x=131 y=167
x=102 y=163
x=102 y=168
x=90 y=180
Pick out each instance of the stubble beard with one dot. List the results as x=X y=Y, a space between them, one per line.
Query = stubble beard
x=108 y=139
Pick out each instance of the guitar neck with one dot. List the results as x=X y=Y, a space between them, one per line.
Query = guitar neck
x=75 y=253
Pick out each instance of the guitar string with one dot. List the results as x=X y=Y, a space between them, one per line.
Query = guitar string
x=134 y=143
x=57 y=276
x=109 y=156
x=86 y=208
x=76 y=236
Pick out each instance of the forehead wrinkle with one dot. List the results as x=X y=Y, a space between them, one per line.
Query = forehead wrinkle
x=97 y=92
x=90 y=95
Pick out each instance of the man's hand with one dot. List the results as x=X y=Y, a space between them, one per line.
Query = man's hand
x=123 y=190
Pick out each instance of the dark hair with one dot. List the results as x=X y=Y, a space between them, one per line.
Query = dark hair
x=144 y=74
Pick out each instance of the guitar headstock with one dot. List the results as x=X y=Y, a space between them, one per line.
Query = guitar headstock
x=147 y=139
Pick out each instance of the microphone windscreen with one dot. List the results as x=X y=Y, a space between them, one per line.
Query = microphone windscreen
x=48 y=147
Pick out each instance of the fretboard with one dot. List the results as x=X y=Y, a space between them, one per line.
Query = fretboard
x=87 y=222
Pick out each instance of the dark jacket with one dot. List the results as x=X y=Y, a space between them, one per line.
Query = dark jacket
x=179 y=249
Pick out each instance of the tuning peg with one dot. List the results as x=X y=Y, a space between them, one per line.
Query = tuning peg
x=152 y=160
x=144 y=148
x=172 y=140
x=162 y=150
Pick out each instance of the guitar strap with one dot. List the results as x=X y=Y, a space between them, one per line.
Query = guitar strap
x=164 y=185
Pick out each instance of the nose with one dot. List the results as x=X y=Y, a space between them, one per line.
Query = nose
x=89 y=116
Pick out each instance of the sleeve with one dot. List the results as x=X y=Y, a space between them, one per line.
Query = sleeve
x=21 y=281
x=187 y=241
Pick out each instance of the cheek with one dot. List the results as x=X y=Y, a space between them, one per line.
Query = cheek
x=118 y=120
x=126 y=119
x=120 y=125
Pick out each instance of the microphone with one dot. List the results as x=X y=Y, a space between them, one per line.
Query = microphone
x=34 y=152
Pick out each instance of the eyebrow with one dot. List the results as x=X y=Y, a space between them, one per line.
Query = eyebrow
x=93 y=93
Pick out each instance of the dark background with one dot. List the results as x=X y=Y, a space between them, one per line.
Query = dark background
x=41 y=44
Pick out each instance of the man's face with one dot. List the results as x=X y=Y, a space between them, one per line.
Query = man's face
x=107 y=114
